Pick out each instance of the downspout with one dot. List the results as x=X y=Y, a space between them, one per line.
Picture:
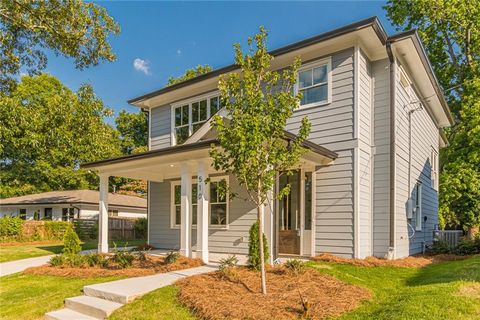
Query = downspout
x=391 y=58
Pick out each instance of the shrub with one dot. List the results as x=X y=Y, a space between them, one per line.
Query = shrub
x=295 y=265
x=97 y=260
x=440 y=247
x=228 y=262
x=124 y=258
x=254 y=247
x=10 y=227
x=468 y=246
x=55 y=230
x=71 y=242
x=76 y=260
x=141 y=227
x=57 y=260
x=171 y=257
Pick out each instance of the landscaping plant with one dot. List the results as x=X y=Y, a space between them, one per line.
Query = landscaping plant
x=228 y=262
x=71 y=242
x=124 y=258
x=254 y=248
x=171 y=257
x=252 y=145
x=10 y=227
x=140 y=227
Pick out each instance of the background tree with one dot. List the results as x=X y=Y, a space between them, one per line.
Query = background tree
x=46 y=132
x=133 y=129
x=72 y=29
x=450 y=31
x=251 y=144
x=190 y=73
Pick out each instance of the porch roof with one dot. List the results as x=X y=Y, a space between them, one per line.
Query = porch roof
x=160 y=164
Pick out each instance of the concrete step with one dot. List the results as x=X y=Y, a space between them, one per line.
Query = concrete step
x=67 y=314
x=92 y=306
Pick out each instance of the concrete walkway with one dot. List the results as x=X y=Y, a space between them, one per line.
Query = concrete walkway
x=100 y=300
x=15 y=266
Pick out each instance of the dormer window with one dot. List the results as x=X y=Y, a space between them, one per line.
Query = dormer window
x=189 y=116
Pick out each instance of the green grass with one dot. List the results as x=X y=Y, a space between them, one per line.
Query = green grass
x=398 y=293
x=159 y=304
x=30 y=297
x=24 y=251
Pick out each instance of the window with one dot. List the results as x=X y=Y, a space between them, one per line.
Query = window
x=418 y=208
x=177 y=201
x=188 y=117
x=313 y=83
x=113 y=213
x=47 y=214
x=23 y=214
x=68 y=214
x=434 y=166
x=218 y=202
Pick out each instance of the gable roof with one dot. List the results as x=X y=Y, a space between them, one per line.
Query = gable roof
x=75 y=197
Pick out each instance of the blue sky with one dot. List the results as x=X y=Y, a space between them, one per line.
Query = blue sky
x=165 y=38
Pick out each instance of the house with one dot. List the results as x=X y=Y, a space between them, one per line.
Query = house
x=70 y=204
x=368 y=185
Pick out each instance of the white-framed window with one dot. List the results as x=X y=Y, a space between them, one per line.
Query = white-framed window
x=219 y=204
x=176 y=201
x=434 y=166
x=188 y=116
x=418 y=207
x=314 y=81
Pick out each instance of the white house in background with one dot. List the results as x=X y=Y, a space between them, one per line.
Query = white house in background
x=70 y=204
x=368 y=185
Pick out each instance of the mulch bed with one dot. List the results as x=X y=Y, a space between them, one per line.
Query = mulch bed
x=238 y=295
x=153 y=265
x=408 y=262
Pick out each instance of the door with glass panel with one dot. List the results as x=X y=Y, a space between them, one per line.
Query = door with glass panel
x=294 y=214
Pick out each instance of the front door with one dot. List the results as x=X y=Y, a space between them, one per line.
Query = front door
x=294 y=214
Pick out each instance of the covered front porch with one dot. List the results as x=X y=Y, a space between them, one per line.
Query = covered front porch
x=186 y=213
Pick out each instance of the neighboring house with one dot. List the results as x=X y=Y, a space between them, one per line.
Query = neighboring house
x=368 y=185
x=71 y=204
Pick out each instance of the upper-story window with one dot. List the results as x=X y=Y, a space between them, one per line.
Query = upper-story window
x=314 y=82
x=188 y=116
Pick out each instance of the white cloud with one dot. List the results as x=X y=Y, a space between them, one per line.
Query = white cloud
x=141 y=65
x=179 y=52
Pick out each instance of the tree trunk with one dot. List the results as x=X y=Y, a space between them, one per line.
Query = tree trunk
x=260 y=210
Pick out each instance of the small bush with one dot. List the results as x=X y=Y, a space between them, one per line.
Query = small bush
x=10 y=227
x=57 y=260
x=76 y=260
x=254 y=248
x=71 y=242
x=440 y=247
x=295 y=265
x=172 y=257
x=228 y=262
x=467 y=247
x=124 y=258
x=141 y=228
x=97 y=260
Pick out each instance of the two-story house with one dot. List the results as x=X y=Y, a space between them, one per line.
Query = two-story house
x=367 y=187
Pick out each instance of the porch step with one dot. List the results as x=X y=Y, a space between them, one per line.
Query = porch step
x=67 y=314
x=91 y=306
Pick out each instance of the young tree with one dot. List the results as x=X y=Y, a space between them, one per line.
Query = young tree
x=190 y=73
x=252 y=144
x=450 y=31
x=73 y=29
x=46 y=132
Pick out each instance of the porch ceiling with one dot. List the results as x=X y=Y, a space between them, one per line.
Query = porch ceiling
x=157 y=165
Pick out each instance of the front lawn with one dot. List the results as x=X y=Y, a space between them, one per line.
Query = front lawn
x=448 y=290
x=30 y=297
x=24 y=251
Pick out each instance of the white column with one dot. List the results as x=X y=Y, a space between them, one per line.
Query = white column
x=269 y=223
x=202 y=213
x=185 y=207
x=103 y=215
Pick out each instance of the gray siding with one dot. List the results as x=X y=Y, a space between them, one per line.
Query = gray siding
x=365 y=157
x=161 y=235
x=332 y=127
x=381 y=163
x=425 y=136
x=160 y=127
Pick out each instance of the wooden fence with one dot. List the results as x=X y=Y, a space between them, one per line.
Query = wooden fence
x=451 y=237
x=119 y=228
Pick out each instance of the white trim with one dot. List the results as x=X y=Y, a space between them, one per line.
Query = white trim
x=314 y=211
x=418 y=207
x=302 y=208
x=103 y=214
x=434 y=168
x=356 y=156
x=314 y=64
x=150 y=129
x=202 y=212
x=149 y=199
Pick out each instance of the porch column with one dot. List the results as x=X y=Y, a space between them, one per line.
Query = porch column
x=103 y=215
x=202 y=213
x=269 y=223
x=185 y=210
